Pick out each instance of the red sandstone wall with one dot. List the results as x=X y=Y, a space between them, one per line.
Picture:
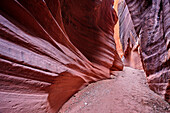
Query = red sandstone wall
x=116 y=32
x=151 y=22
x=129 y=39
x=51 y=49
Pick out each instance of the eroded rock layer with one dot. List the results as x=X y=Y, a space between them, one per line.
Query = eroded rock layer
x=128 y=37
x=53 y=48
x=116 y=32
x=151 y=22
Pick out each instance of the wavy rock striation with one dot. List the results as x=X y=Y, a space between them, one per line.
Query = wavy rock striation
x=151 y=22
x=50 y=49
x=128 y=37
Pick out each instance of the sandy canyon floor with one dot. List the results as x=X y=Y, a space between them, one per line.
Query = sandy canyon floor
x=126 y=92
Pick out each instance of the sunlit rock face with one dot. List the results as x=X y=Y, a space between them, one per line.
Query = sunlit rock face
x=50 y=49
x=128 y=37
x=116 y=32
x=151 y=22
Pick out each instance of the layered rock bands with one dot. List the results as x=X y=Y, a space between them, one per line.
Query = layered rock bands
x=150 y=21
x=50 y=49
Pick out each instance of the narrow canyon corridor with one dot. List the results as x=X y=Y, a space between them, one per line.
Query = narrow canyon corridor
x=84 y=56
x=127 y=92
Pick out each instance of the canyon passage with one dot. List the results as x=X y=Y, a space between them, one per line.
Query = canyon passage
x=84 y=56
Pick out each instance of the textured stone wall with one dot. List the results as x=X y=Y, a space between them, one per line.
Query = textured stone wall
x=50 y=49
x=116 y=32
x=128 y=37
x=151 y=22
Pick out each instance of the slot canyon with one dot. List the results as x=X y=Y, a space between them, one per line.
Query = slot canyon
x=84 y=56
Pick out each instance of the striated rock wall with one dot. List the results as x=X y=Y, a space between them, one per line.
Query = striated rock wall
x=50 y=49
x=116 y=32
x=128 y=37
x=151 y=22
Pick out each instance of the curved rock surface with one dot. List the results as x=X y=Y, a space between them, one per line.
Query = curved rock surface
x=151 y=22
x=128 y=37
x=128 y=92
x=52 y=49
x=117 y=32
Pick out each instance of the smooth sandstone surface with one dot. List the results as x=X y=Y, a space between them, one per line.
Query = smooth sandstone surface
x=52 y=49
